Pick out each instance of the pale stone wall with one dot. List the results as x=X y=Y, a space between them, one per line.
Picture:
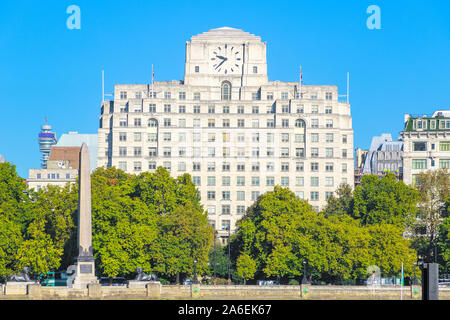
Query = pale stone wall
x=238 y=292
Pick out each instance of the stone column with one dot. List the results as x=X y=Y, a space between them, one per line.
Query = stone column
x=85 y=265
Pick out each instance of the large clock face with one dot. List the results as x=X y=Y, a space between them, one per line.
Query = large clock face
x=226 y=59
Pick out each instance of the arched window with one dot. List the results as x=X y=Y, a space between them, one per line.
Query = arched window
x=226 y=90
x=152 y=123
x=299 y=123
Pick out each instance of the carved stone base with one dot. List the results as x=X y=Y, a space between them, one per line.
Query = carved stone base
x=84 y=274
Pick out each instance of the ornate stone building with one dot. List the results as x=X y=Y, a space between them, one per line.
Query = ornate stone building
x=426 y=141
x=237 y=133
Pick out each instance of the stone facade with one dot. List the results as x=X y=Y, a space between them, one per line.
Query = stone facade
x=426 y=142
x=237 y=133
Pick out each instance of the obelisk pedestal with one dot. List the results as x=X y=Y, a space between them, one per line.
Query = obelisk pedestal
x=84 y=266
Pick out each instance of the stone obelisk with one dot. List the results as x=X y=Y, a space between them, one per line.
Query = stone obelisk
x=85 y=265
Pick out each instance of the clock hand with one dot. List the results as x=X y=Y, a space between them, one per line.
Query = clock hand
x=223 y=58
x=220 y=64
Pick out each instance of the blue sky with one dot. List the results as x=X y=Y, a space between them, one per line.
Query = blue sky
x=47 y=70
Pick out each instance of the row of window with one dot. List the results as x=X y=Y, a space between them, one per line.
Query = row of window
x=240 y=167
x=226 y=123
x=52 y=176
x=256 y=181
x=226 y=152
x=225 y=94
x=196 y=137
x=433 y=124
x=422 y=163
x=226 y=109
x=423 y=146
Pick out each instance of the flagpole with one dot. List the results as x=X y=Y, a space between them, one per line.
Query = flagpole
x=153 y=79
x=301 y=83
x=401 y=285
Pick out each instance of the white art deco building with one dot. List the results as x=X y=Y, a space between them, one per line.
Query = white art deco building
x=237 y=133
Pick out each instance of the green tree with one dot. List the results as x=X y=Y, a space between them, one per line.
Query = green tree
x=124 y=228
x=340 y=204
x=385 y=200
x=434 y=190
x=219 y=255
x=245 y=267
x=444 y=243
x=389 y=249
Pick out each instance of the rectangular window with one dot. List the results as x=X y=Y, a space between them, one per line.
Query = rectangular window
x=196 y=180
x=314 y=123
x=270 y=181
x=211 y=181
x=196 y=109
x=152 y=108
x=240 y=181
x=328 y=110
x=123 y=165
x=314 y=196
x=329 y=137
x=444 y=163
x=329 y=167
x=444 y=146
x=196 y=95
x=226 y=166
x=211 y=195
x=152 y=152
x=255 y=181
x=285 y=166
x=152 y=165
x=329 y=181
x=226 y=209
x=419 y=163
x=137 y=151
x=167 y=122
x=299 y=166
x=225 y=181
x=196 y=166
x=137 y=166
x=240 y=195
x=329 y=153
x=299 y=138
x=421 y=146
x=240 y=209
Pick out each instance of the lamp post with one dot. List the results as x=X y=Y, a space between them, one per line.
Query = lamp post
x=195 y=272
x=304 y=281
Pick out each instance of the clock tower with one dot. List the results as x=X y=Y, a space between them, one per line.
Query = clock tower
x=226 y=54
